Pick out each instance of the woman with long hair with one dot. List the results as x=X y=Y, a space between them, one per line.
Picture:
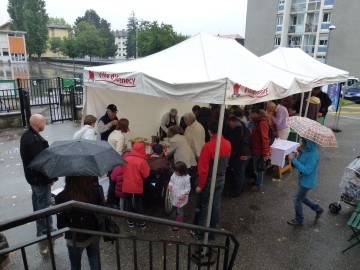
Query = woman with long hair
x=82 y=189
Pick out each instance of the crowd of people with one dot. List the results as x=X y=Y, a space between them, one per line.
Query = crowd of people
x=187 y=153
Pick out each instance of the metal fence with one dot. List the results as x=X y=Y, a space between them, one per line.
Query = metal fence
x=9 y=100
x=141 y=253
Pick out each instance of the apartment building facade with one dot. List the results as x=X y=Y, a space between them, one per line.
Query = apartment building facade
x=325 y=29
x=12 y=45
x=59 y=31
x=120 y=41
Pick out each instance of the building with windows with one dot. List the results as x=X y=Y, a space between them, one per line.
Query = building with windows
x=325 y=29
x=12 y=45
x=56 y=30
x=120 y=41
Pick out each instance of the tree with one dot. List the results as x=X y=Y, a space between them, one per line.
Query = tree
x=35 y=21
x=92 y=18
x=89 y=40
x=55 y=44
x=152 y=37
x=59 y=21
x=15 y=9
x=70 y=47
x=132 y=27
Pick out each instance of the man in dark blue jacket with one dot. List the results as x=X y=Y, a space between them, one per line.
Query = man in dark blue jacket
x=307 y=164
x=240 y=152
x=108 y=122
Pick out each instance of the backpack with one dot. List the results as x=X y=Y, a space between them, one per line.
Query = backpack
x=245 y=135
x=271 y=135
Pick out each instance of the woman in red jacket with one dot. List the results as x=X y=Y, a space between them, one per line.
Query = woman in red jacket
x=135 y=171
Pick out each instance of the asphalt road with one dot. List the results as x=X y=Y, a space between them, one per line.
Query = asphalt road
x=258 y=220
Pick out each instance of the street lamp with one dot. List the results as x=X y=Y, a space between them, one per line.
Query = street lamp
x=331 y=27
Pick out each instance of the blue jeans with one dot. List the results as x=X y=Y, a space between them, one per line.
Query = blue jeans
x=203 y=202
x=299 y=199
x=41 y=199
x=259 y=175
x=93 y=253
x=239 y=167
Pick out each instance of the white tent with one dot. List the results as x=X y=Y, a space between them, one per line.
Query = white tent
x=297 y=61
x=202 y=69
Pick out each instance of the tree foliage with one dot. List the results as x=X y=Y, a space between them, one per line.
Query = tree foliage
x=59 y=21
x=153 y=38
x=55 y=44
x=70 y=46
x=15 y=9
x=89 y=40
x=35 y=22
x=132 y=27
x=92 y=18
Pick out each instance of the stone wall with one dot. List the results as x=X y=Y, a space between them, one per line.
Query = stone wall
x=10 y=120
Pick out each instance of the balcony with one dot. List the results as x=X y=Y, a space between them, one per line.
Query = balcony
x=296 y=29
x=295 y=8
x=310 y=28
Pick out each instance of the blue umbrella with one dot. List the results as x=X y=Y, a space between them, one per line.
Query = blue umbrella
x=77 y=158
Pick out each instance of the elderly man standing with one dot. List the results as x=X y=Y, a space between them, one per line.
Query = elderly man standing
x=108 y=122
x=280 y=116
x=194 y=133
x=31 y=144
x=169 y=119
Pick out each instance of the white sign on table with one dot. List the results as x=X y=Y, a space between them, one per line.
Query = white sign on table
x=280 y=149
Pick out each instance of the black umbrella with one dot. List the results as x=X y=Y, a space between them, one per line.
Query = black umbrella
x=76 y=158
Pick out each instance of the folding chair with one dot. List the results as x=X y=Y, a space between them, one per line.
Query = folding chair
x=354 y=223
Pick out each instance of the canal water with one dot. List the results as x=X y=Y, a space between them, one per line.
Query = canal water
x=35 y=70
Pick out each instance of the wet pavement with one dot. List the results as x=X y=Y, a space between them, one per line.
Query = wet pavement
x=258 y=220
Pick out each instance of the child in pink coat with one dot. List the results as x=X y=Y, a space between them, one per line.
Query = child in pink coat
x=117 y=176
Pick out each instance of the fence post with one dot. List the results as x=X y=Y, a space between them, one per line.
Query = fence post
x=24 y=106
x=72 y=103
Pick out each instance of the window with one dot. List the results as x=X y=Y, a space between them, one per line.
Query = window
x=323 y=40
x=277 y=41
x=5 y=53
x=281 y=6
x=279 y=20
x=327 y=17
x=295 y=41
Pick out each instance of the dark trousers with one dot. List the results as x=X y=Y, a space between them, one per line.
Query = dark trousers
x=134 y=203
x=112 y=199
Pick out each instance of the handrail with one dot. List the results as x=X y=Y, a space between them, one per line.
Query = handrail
x=75 y=205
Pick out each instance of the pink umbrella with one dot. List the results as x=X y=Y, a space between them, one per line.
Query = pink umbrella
x=313 y=131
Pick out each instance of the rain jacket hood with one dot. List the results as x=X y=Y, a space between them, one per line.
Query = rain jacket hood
x=138 y=150
x=307 y=164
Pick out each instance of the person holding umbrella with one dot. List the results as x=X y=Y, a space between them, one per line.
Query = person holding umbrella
x=312 y=133
x=307 y=164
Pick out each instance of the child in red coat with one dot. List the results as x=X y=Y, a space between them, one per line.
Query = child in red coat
x=135 y=171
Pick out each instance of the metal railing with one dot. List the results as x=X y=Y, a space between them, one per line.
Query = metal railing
x=154 y=253
x=9 y=100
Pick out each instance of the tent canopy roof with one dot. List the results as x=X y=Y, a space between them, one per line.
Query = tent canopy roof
x=203 y=68
x=297 y=61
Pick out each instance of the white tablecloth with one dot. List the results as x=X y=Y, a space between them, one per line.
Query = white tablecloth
x=280 y=149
